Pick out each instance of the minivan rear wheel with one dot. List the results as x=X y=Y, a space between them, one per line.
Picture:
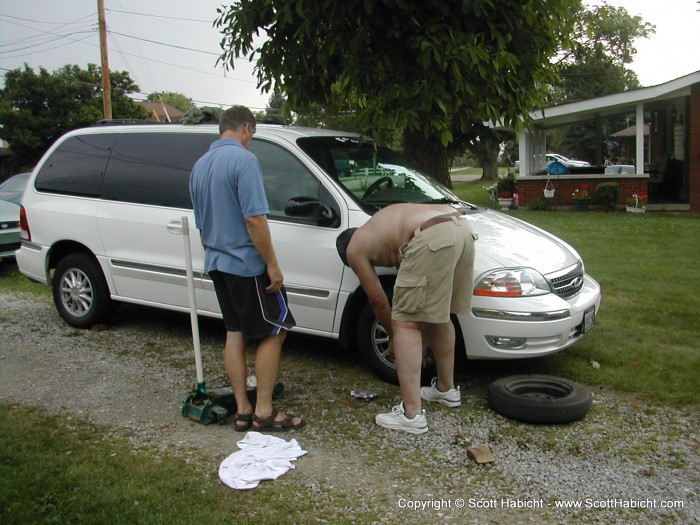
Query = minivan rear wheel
x=80 y=291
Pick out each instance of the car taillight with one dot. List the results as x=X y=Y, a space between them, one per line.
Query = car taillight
x=24 y=232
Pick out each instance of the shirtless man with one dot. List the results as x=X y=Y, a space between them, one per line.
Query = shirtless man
x=433 y=248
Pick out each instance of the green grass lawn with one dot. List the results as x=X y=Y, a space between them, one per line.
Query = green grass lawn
x=646 y=339
x=60 y=469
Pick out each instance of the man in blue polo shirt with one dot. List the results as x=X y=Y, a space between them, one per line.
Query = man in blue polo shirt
x=230 y=210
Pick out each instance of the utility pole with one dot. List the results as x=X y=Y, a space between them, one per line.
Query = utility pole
x=106 y=86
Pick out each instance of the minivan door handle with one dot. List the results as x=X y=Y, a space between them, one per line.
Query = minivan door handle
x=175 y=227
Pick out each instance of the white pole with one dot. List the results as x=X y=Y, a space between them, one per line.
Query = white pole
x=193 y=304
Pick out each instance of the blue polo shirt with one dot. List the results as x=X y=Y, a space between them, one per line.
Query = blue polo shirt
x=226 y=186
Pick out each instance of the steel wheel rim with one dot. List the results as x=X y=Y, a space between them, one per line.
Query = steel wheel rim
x=76 y=292
x=539 y=389
x=380 y=343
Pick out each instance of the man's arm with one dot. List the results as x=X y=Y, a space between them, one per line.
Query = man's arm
x=259 y=232
x=372 y=286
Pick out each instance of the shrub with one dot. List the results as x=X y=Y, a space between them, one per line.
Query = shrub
x=607 y=194
x=539 y=203
x=506 y=184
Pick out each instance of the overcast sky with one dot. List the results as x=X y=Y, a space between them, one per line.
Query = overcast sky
x=170 y=45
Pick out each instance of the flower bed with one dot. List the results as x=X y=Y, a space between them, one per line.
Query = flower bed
x=530 y=187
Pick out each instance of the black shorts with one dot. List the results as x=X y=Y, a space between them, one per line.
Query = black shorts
x=247 y=308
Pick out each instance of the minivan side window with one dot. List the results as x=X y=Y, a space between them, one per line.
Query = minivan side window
x=77 y=166
x=286 y=179
x=154 y=168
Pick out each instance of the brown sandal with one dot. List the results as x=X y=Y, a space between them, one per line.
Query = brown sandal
x=246 y=418
x=269 y=424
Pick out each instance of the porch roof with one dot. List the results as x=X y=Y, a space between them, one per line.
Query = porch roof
x=611 y=105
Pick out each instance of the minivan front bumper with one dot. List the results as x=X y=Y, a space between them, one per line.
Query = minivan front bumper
x=512 y=328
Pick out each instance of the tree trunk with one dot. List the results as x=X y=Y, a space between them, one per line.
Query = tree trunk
x=429 y=155
x=489 y=163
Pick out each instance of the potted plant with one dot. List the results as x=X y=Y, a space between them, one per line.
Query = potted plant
x=505 y=199
x=636 y=203
x=549 y=190
x=582 y=198
x=505 y=189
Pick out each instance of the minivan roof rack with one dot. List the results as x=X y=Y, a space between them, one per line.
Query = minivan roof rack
x=126 y=121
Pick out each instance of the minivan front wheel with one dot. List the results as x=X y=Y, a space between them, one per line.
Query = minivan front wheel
x=373 y=343
x=80 y=291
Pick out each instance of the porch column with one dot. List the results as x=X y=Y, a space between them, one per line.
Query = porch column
x=524 y=153
x=639 y=162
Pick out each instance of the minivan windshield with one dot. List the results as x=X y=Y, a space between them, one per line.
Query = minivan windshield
x=375 y=177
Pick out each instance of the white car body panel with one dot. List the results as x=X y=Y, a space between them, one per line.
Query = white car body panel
x=141 y=252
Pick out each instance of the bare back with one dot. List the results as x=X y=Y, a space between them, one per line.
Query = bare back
x=390 y=228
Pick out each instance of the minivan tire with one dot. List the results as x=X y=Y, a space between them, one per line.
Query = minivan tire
x=539 y=398
x=80 y=291
x=373 y=343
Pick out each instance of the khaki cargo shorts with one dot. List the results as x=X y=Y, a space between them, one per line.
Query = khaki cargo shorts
x=436 y=275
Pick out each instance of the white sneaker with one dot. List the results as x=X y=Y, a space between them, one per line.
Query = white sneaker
x=450 y=398
x=397 y=420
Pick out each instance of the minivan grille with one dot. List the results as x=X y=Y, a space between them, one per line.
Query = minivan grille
x=568 y=284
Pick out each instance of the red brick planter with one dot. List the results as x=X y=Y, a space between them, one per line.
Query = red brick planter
x=532 y=186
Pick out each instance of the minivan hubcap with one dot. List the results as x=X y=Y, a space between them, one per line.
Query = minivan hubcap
x=76 y=292
x=380 y=342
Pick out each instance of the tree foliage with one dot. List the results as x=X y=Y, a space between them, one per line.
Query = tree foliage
x=37 y=108
x=176 y=100
x=594 y=65
x=428 y=68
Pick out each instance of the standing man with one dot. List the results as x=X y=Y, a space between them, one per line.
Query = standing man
x=230 y=210
x=433 y=248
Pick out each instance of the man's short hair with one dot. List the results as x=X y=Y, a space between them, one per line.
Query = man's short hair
x=235 y=117
x=342 y=242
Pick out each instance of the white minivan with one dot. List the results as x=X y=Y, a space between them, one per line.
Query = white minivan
x=101 y=222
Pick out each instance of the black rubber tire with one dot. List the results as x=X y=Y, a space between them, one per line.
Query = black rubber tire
x=80 y=291
x=539 y=398
x=373 y=343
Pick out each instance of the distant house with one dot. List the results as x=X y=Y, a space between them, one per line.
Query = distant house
x=161 y=112
x=665 y=151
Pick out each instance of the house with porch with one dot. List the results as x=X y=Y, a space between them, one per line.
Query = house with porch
x=662 y=152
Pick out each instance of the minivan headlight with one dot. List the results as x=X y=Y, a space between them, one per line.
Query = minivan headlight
x=512 y=282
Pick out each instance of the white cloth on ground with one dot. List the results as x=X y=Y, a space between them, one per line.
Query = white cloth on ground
x=261 y=457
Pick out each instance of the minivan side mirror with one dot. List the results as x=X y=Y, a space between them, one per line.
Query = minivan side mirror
x=312 y=209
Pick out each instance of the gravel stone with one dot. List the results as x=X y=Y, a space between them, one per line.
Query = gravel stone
x=132 y=376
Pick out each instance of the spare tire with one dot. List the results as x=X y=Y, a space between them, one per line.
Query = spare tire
x=539 y=398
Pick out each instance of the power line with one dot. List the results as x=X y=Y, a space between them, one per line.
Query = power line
x=45 y=42
x=46 y=22
x=159 y=16
x=164 y=44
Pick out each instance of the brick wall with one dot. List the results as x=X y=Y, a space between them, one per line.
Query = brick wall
x=694 y=149
x=533 y=186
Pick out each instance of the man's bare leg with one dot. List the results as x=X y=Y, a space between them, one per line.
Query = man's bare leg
x=409 y=356
x=267 y=361
x=442 y=338
x=237 y=370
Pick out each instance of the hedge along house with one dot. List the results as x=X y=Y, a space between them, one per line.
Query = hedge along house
x=660 y=158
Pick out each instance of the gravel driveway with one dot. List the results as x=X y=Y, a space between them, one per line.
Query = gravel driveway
x=624 y=463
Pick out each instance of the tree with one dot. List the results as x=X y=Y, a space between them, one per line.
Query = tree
x=176 y=100
x=594 y=65
x=35 y=109
x=274 y=110
x=427 y=68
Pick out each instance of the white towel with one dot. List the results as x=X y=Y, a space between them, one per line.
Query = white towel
x=261 y=457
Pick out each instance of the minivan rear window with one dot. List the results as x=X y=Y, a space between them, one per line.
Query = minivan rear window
x=77 y=166
x=154 y=168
